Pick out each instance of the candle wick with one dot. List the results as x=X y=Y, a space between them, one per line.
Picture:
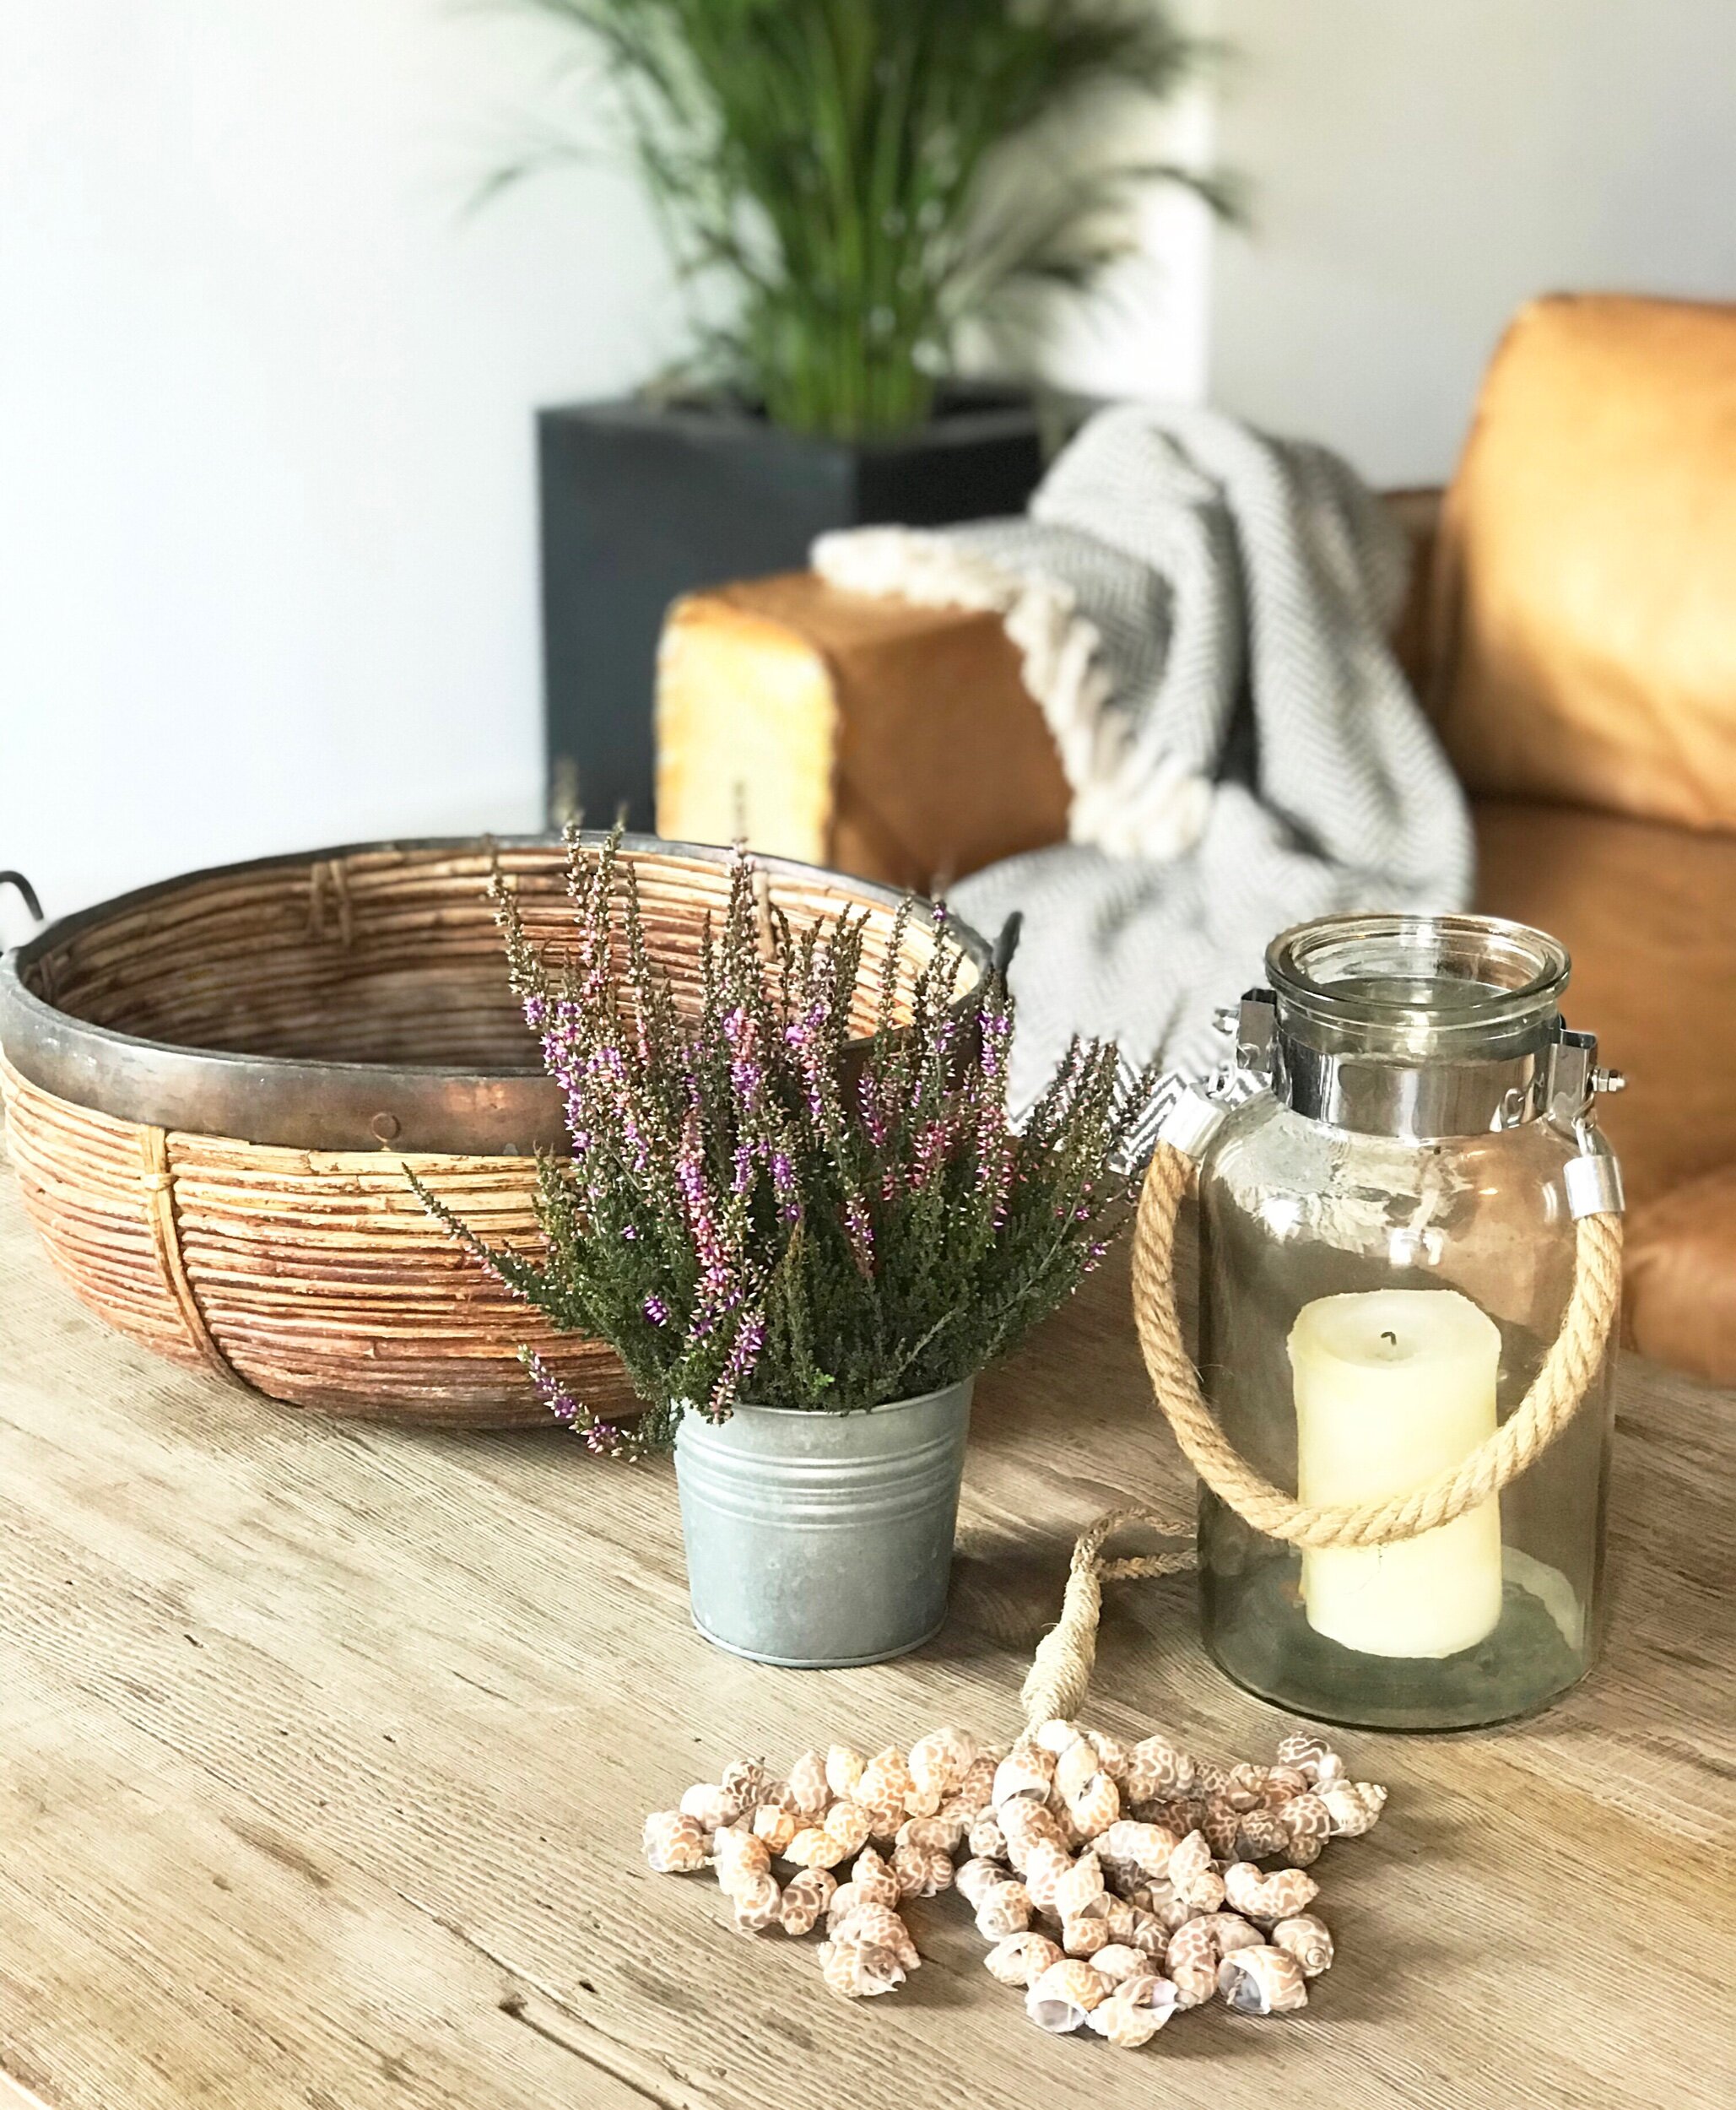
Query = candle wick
x=1391 y=1339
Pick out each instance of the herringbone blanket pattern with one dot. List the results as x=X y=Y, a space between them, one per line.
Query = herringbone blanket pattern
x=1203 y=613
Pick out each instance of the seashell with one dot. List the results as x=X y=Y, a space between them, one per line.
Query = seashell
x=1306 y=1938
x=858 y=1971
x=878 y=1926
x=871 y=1862
x=808 y=1894
x=861 y=1890
x=975 y=1791
x=1282 y=1782
x=1196 y=1882
x=940 y=1760
x=1221 y=1823
x=1117 y=1916
x=1026 y=1769
x=1072 y=1838
x=1112 y=1755
x=1191 y=1858
x=921 y=1803
x=1157 y=1765
x=1075 y=1769
x=1045 y=1867
x=1266 y=1898
x=1263 y=1981
x=1151 y=1989
x=1354 y=1806
x=709 y=1807
x=1118 y=1960
x=1065 y=1993
x=815 y=1848
x=1232 y=1932
x=1083 y=1936
x=1209 y=1778
x=1304 y=1750
x=1055 y=1736
x=848 y=1823
x=739 y=1855
x=1024 y=1820
x=1191 y=1959
x=1082 y=1882
x=978 y=1875
x=1180 y=1817
x=674 y=1842
x=1261 y=1833
x=987 y=1839
x=1149 y=1934
x=884 y=1815
x=808 y=1785
x=746 y=1781
x=922 y=1871
x=1129 y=2024
x=1329 y=1772
x=756 y=1898
x=843 y=1769
x=933 y=1832
x=1002 y=1909
x=1245 y=1788
x=1145 y=1847
x=1172 y=1912
x=885 y=1778
x=1307 y=1823
x=1021 y=1959
x=1098 y=1808
x=776 y=1826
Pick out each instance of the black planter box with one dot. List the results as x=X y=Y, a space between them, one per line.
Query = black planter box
x=641 y=504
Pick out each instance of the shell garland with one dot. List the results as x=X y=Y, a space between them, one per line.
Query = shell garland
x=1140 y=1862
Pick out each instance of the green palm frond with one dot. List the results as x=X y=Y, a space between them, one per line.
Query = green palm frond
x=841 y=166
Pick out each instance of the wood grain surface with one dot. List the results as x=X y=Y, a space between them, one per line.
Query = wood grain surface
x=324 y=1750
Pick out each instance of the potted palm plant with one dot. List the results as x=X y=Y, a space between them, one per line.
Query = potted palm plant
x=846 y=185
x=803 y=1248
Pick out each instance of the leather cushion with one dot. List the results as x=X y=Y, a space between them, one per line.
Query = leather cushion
x=1681 y=1277
x=1589 y=562
x=1645 y=910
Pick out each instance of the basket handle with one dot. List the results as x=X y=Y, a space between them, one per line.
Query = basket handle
x=26 y=893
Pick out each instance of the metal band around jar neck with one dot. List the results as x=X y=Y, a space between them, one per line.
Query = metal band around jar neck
x=1421 y=1102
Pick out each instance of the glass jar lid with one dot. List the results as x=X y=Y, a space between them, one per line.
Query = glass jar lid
x=1416 y=1025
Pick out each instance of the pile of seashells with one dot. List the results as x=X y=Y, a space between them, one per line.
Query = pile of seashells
x=1118 y=1884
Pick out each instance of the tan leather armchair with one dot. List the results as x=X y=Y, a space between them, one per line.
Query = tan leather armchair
x=1572 y=629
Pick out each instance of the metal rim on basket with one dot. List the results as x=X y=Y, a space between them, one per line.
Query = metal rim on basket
x=303 y=1104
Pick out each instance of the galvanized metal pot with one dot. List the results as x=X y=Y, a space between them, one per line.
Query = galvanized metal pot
x=819 y=1540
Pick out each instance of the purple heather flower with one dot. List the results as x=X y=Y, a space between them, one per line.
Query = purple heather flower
x=553 y=1393
x=657 y=1310
x=744 y=1354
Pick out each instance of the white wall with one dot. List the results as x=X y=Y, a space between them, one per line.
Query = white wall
x=1421 y=167
x=268 y=572
x=267 y=569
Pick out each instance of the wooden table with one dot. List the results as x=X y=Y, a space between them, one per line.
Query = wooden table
x=324 y=1750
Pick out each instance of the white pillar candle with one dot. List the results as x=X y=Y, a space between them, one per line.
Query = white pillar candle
x=1391 y=1388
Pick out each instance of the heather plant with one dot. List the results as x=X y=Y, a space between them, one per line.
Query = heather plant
x=752 y=1207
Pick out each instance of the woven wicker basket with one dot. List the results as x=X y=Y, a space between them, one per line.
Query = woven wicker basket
x=212 y=1089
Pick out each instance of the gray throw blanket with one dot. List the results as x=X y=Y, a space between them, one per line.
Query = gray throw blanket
x=1203 y=613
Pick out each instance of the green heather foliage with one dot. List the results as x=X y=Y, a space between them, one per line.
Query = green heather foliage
x=842 y=168
x=754 y=1209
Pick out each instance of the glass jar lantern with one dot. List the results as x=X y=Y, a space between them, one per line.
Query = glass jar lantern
x=1389 y=1214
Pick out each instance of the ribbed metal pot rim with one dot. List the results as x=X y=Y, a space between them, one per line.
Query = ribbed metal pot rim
x=301 y=1103
x=836 y=1414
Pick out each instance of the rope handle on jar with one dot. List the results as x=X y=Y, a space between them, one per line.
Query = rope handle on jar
x=1061 y=1669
